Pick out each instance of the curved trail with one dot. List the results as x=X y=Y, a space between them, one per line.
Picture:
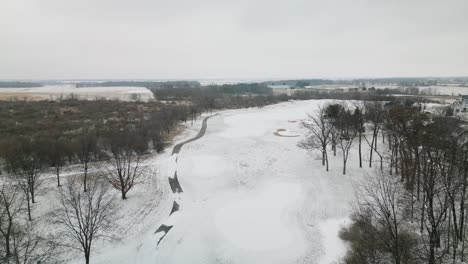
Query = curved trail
x=174 y=182
x=177 y=147
x=250 y=197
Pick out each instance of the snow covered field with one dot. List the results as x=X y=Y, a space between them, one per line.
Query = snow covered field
x=250 y=196
x=54 y=92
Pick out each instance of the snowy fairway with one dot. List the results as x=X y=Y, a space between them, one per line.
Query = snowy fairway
x=251 y=196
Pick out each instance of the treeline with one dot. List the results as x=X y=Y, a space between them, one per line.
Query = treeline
x=413 y=208
x=307 y=82
x=408 y=82
x=189 y=93
x=405 y=91
x=228 y=96
x=4 y=84
x=371 y=95
x=147 y=84
x=259 y=95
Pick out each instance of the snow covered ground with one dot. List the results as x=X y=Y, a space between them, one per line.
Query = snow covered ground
x=135 y=220
x=250 y=196
x=54 y=92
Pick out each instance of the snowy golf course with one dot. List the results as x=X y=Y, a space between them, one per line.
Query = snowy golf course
x=250 y=195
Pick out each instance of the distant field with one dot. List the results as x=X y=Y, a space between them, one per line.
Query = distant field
x=55 y=92
x=450 y=89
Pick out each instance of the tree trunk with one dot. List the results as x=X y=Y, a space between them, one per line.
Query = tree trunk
x=463 y=229
x=326 y=160
x=433 y=244
x=360 y=156
x=58 y=175
x=423 y=210
x=376 y=140
x=31 y=190
x=371 y=150
x=344 y=166
x=323 y=158
x=396 y=159
x=29 y=208
x=462 y=204
x=7 y=243
x=332 y=141
x=85 y=176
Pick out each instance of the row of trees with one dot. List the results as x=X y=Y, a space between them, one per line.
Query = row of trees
x=337 y=126
x=413 y=208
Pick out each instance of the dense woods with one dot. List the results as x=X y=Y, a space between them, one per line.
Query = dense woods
x=45 y=136
x=147 y=84
x=412 y=209
x=5 y=84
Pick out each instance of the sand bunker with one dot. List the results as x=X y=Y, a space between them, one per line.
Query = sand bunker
x=281 y=132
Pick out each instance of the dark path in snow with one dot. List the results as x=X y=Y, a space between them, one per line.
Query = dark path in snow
x=177 y=147
x=174 y=182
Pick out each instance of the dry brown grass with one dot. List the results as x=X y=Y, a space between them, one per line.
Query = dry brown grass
x=21 y=96
x=174 y=133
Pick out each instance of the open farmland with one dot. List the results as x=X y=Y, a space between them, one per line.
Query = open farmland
x=56 y=92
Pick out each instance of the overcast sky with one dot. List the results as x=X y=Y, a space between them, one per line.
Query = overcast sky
x=192 y=39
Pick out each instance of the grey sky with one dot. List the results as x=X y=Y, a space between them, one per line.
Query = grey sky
x=64 y=39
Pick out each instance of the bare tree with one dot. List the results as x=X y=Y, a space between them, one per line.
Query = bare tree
x=85 y=147
x=10 y=207
x=332 y=113
x=319 y=131
x=435 y=202
x=347 y=133
x=124 y=164
x=359 y=123
x=57 y=155
x=374 y=114
x=381 y=156
x=382 y=197
x=84 y=217
x=25 y=165
x=31 y=248
x=20 y=242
